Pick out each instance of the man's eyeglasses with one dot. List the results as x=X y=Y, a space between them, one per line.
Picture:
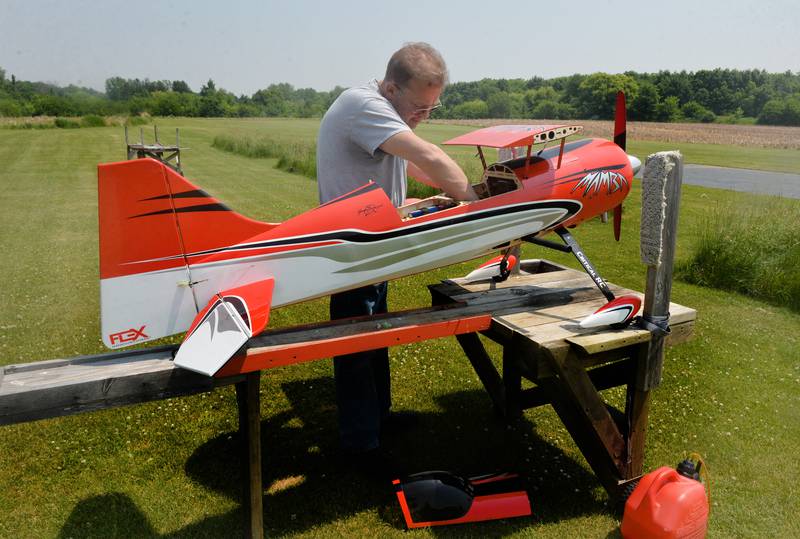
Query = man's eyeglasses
x=427 y=110
x=419 y=111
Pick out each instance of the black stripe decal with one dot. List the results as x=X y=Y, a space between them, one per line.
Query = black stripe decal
x=570 y=206
x=189 y=209
x=197 y=193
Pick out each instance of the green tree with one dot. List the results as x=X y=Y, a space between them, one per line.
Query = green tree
x=781 y=111
x=208 y=88
x=598 y=92
x=10 y=108
x=499 y=104
x=553 y=110
x=181 y=87
x=668 y=110
x=119 y=89
x=475 y=108
x=674 y=84
x=52 y=105
x=174 y=104
x=211 y=106
x=692 y=110
x=271 y=101
x=644 y=106
x=533 y=98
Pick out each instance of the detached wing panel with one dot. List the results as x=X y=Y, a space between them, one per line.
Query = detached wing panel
x=224 y=326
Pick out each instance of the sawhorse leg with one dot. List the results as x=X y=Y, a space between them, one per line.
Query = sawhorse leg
x=583 y=412
x=249 y=403
x=482 y=363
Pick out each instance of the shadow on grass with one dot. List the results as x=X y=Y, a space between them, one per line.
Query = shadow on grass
x=109 y=515
x=307 y=486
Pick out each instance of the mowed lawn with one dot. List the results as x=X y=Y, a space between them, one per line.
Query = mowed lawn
x=171 y=468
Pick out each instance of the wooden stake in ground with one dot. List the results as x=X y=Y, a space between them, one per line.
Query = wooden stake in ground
x=661 y=193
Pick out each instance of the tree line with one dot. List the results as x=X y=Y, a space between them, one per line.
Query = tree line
x=702 y=96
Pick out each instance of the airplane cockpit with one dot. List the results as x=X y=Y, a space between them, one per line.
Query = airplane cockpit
x=500 y=177
x=497 y=179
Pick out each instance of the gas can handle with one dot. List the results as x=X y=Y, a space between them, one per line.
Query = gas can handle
x=667 y=475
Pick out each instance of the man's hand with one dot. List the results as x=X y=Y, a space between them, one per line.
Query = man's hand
x=440 y=169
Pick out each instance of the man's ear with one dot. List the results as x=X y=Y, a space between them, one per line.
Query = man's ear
x=389 y=89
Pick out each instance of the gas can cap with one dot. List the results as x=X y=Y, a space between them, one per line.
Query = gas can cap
x=687 y=469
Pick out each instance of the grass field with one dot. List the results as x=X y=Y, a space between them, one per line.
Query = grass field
x=171 y=468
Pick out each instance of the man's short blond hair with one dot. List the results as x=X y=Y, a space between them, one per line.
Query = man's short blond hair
x=417 y=61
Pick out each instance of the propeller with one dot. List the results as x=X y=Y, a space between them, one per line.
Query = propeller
x=619 y=140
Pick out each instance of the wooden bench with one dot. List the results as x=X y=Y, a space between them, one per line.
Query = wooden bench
x=543 y=343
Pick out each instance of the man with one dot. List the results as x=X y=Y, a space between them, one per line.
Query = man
x=365 y=135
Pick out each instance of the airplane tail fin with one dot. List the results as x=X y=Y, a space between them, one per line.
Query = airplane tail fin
x=152 y=222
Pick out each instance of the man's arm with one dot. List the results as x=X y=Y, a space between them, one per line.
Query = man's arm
x=414 y=170
x=440 y=169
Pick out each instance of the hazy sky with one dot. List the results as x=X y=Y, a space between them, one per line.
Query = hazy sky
x=249 y=44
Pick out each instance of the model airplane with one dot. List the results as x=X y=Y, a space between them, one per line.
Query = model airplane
x=173 y=258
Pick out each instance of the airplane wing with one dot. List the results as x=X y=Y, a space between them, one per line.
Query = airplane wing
x=511 y=136
x=224 y=325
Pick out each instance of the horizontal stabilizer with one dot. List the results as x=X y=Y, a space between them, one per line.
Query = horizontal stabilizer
x=224 y=326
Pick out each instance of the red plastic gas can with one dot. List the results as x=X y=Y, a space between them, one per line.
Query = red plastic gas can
x=665 y=504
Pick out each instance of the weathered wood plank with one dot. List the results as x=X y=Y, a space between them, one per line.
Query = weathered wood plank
x=61 y=387
x=605 y=377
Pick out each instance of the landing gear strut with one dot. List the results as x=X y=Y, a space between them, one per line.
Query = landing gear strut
x=618 y=312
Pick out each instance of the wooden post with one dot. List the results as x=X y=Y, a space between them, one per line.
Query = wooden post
x=516 y=251
x=249 y=402
x=664 y=173
x=484 y=368
x=512 y=383
x=660 y=205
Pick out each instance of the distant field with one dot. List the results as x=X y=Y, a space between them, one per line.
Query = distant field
x=749 y=136
x=768 y=148
x=171 y=468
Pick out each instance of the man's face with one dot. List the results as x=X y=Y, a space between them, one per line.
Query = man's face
x=414 y=101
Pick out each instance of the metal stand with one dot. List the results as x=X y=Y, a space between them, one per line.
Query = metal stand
x=156 y=151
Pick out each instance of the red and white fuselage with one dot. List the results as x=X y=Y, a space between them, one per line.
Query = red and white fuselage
x=167 y=248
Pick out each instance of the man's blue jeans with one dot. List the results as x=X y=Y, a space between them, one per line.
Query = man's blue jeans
x=362 y=380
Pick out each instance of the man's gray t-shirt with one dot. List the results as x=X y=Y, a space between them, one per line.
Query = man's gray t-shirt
x=348 y=153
